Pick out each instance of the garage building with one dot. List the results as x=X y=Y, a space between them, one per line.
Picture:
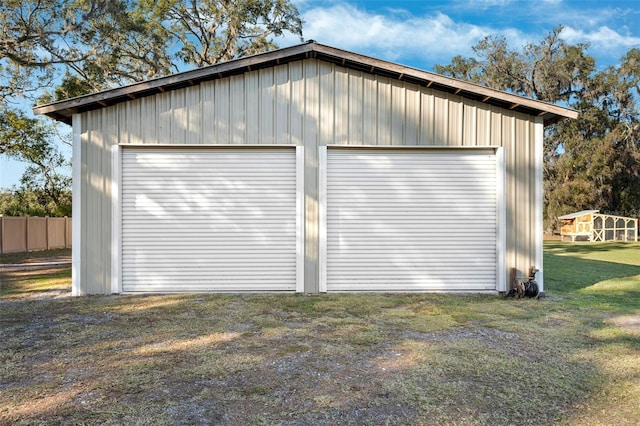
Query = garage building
x=307 y=169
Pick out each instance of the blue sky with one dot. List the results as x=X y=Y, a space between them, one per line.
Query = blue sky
x=424 y=33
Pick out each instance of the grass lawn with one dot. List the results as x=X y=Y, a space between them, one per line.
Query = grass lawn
x=573 y=358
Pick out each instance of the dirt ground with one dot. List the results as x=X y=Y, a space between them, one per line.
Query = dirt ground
x=35 y=263
x=342 y=359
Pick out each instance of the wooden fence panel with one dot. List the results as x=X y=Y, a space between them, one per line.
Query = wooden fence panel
x=37 y=233
x=22 y=234
x=14 y=234
x=57 y=233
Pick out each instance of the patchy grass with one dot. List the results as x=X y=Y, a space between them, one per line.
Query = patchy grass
x=337 y=359
x=34 y=283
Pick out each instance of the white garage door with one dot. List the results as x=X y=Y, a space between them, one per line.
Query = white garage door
x=208 y=219
x=410 y=220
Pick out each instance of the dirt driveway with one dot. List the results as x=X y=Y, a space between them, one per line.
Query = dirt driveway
x=35 y=261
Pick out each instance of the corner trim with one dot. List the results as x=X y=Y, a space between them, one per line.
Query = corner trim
x=538 y=200
x=322 y=218
x=300 y=219
x=76 y=208
x=116 y=222
x=501 y=216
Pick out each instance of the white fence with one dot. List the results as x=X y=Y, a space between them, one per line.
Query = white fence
x=23 y=234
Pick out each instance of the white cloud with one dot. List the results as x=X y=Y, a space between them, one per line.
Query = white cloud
x=422 y=40
x=601 y=38
x=396 y=35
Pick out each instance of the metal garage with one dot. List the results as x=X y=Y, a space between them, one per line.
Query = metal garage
x=307 y=169
x=208 y=219
x=411 y=219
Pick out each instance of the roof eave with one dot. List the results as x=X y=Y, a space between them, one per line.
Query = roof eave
x=64 y=110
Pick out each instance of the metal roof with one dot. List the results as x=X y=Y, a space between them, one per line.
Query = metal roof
x=64 y=110
x=578 y=214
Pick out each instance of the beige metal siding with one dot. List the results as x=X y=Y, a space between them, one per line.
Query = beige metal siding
x=308 y=103
x=95 y=217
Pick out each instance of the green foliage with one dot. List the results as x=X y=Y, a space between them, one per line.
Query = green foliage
x=58 y=49
x=34 y=202
x=45 y=187
x=550 y=71
x=591 y=162
x=212 y=31
x=101 y=42
x=97 y=44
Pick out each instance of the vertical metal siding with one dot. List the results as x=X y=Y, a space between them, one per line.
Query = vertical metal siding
x=179 y=119
x=441 y=120
x=341 y=107
x=482 y=130
x=311 y=133
x=94 y=171
x=327 y=106
x=165 y=118
x=96 y=197
x=252 y=110
x=398 y=113
x=282 y=104
x=297 y=106
x=383 y=121
x=427 y=105
x=193 y=118
x=149 y=121
x=267 y=114
x=237 y=107
x=456 y=122
x=222 y=116
x=208 y=126
x=369 y=110
x=412 y=116
x=354 y=112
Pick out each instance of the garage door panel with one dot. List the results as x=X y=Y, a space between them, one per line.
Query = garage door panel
x=208 y=219
x=399 y=220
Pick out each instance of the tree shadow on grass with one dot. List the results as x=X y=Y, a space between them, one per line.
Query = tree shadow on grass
x=616 y=284
x=589 y=247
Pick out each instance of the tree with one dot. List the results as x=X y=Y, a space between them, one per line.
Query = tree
x=598 y=165
x=551 y=71
x=57 y=49
x=29 y=140
x=98 y=44
x=23 y=202
x=591 y=162
x=211 y=31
